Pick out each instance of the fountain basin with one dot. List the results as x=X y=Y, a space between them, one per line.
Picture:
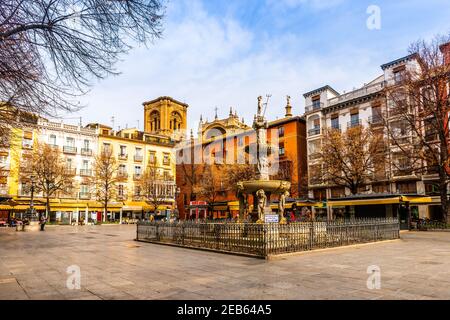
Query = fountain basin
x=269 y=186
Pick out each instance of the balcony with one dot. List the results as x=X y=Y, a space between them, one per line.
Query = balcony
x=71 y=171
x=84 y=195
x=86 y=172
x=402 y=171
x=122 y=156
x=122 y=197
x=314 y=156
x=314 y=107
x=376 y=120
x=138 y=158
x=137 y=176
x=354 y=124
x=359 y=93
x=70 y=150
x=313 y=132
x=86 y=152
x=27 y=145
x=336 y=127
x=122 y=175
x=53 y=146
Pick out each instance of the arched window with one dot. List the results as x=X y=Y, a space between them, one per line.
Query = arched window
x=155 y=121
x=175 y=121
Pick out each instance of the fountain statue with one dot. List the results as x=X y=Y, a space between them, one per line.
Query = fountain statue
x=262 y=187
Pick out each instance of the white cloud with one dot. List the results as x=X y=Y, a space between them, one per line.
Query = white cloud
x=208 y=61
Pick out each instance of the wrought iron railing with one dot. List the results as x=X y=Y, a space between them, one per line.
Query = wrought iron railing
x=262 y=240
x=429 y=225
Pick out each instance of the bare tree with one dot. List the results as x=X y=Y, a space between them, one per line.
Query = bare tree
x=52 y=50
x=350 y=158
x=210 y=185
x=235 y=173
x=47 y=168
x=417 y=118
x=156 y=187
x=105 y=178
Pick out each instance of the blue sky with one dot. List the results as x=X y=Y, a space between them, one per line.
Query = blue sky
x=224 y=54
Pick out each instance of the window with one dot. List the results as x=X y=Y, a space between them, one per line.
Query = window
x=316 y=102
x=281 y=132
x=316 y=123
x=69 y=163
x=121 y=190
x=105 y=131
x=123 y=151
x=84 y=189
x=354 y=119
x=335 y=122
x=139 y=152
x=85 y=164
x=407 y=187
x=137 y=170
x=152 y=157
x=70 y=142
x=52 y=140
x=86 y=144
x=3 y=157
x=166 y=159
x=166 y=175
x=399 y=74
x=281 y=149
x=137 y=191
x=240 y=141
x=106 y=148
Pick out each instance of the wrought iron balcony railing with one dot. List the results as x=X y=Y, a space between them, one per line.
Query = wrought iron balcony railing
x=354 y=124
x=85 y=195
x=86 y=152
x=314 y=107
x=86 y=172
x=314 y=132
x=138 y=158
x=70 y=149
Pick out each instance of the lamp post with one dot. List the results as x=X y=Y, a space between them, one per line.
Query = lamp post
x=32 y=215
x=177 y=194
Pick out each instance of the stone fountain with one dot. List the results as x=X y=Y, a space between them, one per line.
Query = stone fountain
x=262 y=187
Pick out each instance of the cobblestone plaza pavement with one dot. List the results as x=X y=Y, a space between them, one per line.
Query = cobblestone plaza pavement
x=33 y=265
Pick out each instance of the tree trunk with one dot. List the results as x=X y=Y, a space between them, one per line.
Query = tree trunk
x=47 y=207
x=444 y=197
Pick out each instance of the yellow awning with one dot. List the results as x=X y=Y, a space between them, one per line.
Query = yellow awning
x=5 y=207
x=417 y=200
x=26 y=207
x=364 y=202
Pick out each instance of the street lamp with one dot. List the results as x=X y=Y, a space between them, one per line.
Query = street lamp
x=33 y=184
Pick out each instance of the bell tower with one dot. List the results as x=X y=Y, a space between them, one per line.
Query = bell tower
x=165 y=116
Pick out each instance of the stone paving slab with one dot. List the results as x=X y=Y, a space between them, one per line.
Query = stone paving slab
x=33 y=265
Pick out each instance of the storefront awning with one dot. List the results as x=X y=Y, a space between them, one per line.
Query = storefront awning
x=381 y=201
x=417 y=200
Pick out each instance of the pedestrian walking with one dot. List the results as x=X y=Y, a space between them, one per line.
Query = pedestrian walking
x=43 y=222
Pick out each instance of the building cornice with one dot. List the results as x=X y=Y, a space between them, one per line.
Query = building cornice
x=165 y=98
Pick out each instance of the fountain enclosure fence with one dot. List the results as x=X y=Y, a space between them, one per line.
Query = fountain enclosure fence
x=268 y=239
